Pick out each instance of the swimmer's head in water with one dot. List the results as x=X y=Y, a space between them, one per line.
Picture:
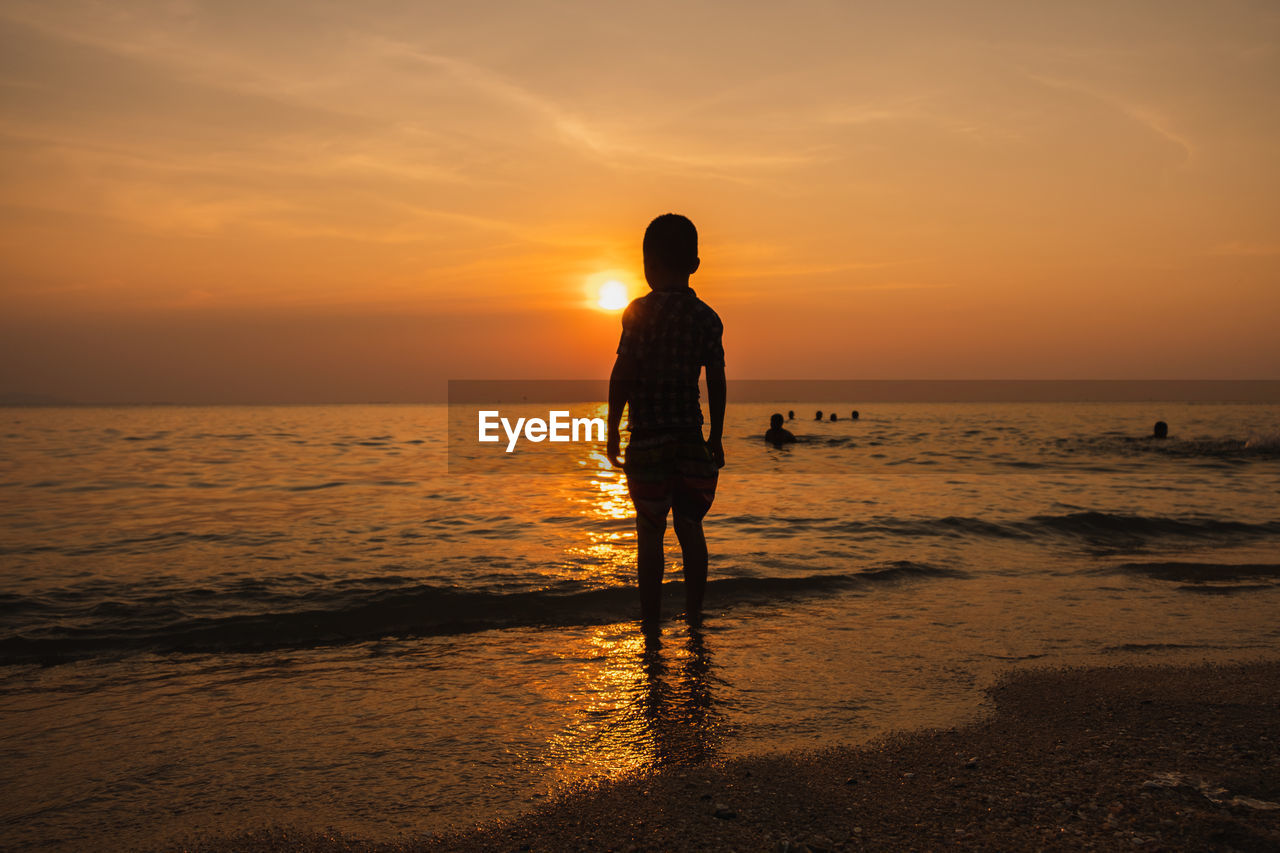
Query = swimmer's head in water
x=1161 y=430
x=775 y=421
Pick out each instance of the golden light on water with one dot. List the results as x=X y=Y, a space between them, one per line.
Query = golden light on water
x=627 y=702
x=609 y=545
x=630 y=703
x=614 y=501
x=634 y=705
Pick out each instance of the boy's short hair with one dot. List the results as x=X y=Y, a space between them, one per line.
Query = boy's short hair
x=673 y=241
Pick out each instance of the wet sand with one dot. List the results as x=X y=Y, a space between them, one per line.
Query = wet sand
x=1110 y=759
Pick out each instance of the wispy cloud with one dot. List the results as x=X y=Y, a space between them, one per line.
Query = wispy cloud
x=1241 y=248
x=785 y=270
x=1150 y=118
x=618 y=149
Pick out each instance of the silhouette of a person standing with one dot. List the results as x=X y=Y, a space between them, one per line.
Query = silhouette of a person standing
x=668 y=337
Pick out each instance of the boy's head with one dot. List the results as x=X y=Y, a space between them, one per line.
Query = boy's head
x=775 y=421
x=670 y=251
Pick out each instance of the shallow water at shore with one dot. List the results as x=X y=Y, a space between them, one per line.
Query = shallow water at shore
x=227 y=617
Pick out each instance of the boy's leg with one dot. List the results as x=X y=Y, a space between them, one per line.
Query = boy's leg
x=650 y=531
x=692 y=498
x=693 y=547
x=650 y=488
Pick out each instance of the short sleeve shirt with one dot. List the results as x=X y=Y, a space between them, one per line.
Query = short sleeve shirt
x=672 y=335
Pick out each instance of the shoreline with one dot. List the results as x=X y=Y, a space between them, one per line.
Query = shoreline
x=1117 y=758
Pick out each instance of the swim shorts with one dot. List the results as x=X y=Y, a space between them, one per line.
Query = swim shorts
x=670 y=470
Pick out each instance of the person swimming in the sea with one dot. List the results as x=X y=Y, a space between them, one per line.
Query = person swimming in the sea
x=818 y=416
x=776 y=434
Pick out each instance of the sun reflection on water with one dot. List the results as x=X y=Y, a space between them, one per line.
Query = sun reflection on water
x=636 y=704
x=606 y=543
x=631 y=703
x=613 y=503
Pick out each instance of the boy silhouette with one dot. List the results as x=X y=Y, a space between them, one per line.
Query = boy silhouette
x=668 y=337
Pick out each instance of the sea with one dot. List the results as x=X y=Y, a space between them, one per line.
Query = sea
x=220 y=618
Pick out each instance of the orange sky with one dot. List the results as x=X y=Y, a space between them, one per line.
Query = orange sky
x=311 y=201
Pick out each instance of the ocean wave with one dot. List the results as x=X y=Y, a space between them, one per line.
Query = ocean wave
x=1156 y=647
x=1100 y=531
x=1205 y=578
x=1223 y=589
x=1264 y=446
x=1264 y=442
x=1103 y=523
x=1195 y=573
x=244 y=616
x=1103 y=533
x=149 y=544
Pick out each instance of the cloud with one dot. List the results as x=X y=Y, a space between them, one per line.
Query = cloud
x=1241 y=248
x=1144 y=115
x=590 y=138
x=497 y=87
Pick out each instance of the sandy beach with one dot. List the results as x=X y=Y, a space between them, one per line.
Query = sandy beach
x=1110 y=759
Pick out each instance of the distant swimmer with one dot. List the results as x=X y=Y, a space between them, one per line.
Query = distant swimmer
x=776 y=434
x=818 y=416
x=833 y=417
x=854 y=416
x=1161 y=430
x=791 y=415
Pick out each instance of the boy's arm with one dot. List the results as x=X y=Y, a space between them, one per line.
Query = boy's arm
x=624 y=371
x=716 y=395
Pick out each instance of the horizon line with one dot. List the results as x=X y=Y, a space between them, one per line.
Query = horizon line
x=779 y=391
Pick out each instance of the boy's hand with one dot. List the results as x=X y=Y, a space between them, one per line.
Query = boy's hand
x=716 y=446
x=613 y=447
x=624 y=370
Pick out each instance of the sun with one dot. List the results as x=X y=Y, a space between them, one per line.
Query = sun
x=613 y=295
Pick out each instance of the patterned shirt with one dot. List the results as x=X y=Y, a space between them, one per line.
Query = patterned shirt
x=671 y=334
